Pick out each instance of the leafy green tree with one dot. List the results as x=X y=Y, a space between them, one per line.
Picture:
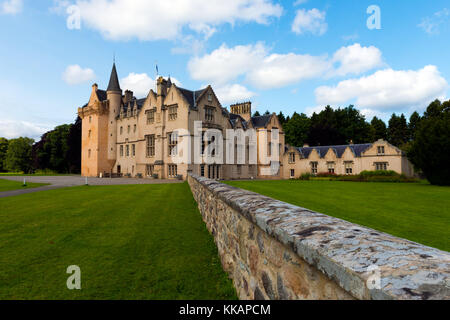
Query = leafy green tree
x=413 y=124
x=18 y=156
x=378 y=130
x=398 y=133
x=296 y=129
x=52 y=151
x=282 y=118
x=256 y=114
x=267 y=113
x=337 y=127
x=430 y=150
x=3 y=149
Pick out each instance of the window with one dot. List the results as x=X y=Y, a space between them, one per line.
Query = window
x=151 y=117
x=89 y=153
x=129 y=129
x=203 y=144
x=348 y=167
x=134 y=129
x=381 y=166
x=172 y=170
x=173 y=112
x=202 y=170
x=314 y=167
x=90 y=119
x=133 y=150
x=209 y=114
x=121 y=113
x=214 y=171
x=121 y=130
x=129 y=111
x=150 y=170
x=330 y=167
x=380 y=150
x=89 y=133
x=292 y=173
x=210 y=98
x=292 y=157
x=269 y=149
x=121 y=151
x=128 y=151
x=172 y=142
x=239 y=169
x=150 y=145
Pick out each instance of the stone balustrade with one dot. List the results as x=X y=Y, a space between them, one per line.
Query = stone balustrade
x=275 y=250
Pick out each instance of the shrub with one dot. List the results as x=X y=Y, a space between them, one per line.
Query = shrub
x=305 y=176
x=326 y=175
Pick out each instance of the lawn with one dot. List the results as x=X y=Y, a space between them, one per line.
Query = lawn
x=131 y=242
x=416 y=211
x=6 y=185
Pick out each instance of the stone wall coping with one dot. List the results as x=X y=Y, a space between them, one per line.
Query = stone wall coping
x=346 y=252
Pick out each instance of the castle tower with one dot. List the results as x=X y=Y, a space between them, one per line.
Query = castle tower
x=114 y=96
x=242 y=109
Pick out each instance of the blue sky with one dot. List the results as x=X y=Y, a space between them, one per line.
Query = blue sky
x=282 y=55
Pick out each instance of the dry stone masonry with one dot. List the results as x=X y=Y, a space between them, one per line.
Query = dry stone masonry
x=274 y=250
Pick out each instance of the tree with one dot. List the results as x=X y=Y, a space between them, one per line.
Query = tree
x=414 y=122
x=430 y=150
x=378 y=130
x=338 y=127
x=282 y=118
x=3 y=149
x=267 y=113
x=53 y=150
x=296 y=129
x=74 y=144
x=18 y=156
x=398 y=130
x=256 y=114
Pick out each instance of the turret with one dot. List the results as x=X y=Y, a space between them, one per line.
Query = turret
x=114 y=96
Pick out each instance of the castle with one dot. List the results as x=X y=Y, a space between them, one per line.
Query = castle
x=123 y=135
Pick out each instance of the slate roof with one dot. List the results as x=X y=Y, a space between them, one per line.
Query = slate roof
x=261 y=121
x=101 y=94
x=114 y=80
x=357 y=149
x=189 y=95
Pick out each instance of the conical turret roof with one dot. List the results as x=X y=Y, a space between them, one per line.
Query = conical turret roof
x=114 y=80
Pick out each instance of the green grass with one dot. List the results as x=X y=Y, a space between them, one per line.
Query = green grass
x=7 y=185
x=131 y=242
x=418 y=211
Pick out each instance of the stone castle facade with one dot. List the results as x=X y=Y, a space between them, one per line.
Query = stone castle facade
x=126 y=136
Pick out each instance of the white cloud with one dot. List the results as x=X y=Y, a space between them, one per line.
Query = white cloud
x=11 y=129
x=387 y=89
x=431 y=25
x=155 y=20
x=278 y=70
x=225 y=64
x=312 y=21
x=74 y=75
x=11 y=6
x=268 y=70
x=299 y=2
x=355 y=59
x=233 y=93
x=141 y=83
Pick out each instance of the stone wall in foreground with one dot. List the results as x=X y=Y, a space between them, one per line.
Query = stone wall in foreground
x=274 y=250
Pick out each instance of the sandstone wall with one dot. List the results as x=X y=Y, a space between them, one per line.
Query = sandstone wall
x=274 y=250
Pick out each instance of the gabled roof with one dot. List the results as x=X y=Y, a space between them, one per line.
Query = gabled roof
x=357 y=149
x=114 y=80
x=261 y=121
x=191 y=96
x=234 y=118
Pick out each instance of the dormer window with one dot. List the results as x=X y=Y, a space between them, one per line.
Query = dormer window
x=173 y=112
x=150 y=117
x=380 y=150
x=210 y=97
